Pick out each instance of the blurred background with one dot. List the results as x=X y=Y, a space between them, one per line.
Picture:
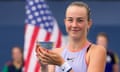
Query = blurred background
x=105 y=16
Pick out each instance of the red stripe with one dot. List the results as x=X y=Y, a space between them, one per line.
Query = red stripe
x=59 y=40
x=33 y=38
x=37 y=67
x=47 y=38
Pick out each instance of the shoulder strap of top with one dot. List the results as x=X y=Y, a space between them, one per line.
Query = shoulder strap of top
x=89 y=47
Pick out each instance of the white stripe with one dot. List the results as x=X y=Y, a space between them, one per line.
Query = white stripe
x=41 y=35
x=55 y=33
x=33 y=59
x=28 y=35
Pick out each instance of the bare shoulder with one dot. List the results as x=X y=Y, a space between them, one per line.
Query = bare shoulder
x=58 y=50
x=98 y=49
x=97 y=59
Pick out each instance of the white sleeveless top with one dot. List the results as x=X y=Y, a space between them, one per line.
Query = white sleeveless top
x=76 y=59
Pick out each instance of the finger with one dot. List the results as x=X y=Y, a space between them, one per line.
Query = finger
x=46 y=59
x=37 y=46
x=51 y=52
x=43 y=56
x=44 y=51
x=47 y=55
x=43 y=63
x=40 y=50
x=43 y=60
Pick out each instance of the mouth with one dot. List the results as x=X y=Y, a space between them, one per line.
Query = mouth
x=75 y=30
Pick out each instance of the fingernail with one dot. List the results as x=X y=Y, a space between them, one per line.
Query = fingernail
x=39 y=50
x=47 y=51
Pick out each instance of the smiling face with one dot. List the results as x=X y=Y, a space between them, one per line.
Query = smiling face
x=76 y=22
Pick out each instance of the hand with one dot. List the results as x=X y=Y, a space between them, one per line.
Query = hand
x=49 y=57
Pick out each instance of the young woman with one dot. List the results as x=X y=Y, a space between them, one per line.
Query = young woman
x=112 y=60
x=16 y=65
x=80 y=55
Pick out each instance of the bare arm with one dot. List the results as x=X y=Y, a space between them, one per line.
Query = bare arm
x=97 y=59
x=51 y=68
x=116 y=68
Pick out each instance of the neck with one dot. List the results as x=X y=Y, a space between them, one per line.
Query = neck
x=77 y=44
x=17 y=64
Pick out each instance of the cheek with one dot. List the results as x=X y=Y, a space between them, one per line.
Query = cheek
x=67 y=26
x=82 y=26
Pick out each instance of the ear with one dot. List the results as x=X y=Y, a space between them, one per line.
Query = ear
x=64 y=21
x=89 y=24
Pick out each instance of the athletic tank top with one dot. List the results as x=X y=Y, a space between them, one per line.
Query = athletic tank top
x=76 y=59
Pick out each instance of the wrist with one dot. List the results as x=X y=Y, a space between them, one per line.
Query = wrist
x=44 y=68
x=65 y=67
x=61 y=63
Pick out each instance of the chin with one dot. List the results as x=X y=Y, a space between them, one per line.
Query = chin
x=75 y=37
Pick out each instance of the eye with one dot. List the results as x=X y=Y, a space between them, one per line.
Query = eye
x=80 y=20
x=70 y=20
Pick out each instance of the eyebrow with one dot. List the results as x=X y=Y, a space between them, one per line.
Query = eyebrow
x=76 y=17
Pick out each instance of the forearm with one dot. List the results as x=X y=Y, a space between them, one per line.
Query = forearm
x=44 y=68
x=51 y=68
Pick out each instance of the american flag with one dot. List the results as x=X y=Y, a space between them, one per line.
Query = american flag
x=40 y=25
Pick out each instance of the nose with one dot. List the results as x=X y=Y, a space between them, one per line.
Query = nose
x=74 y=24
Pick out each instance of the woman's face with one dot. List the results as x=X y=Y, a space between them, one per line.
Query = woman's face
x=101 y=40
x=76 y=22
x=16 y=54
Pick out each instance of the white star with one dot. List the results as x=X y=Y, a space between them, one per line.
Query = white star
x=36 y=1
x=30 y=16
x=33 y=8
x=28 y=11
x=44 y=18
x=36 y=13
x=42 y=12
x=30 y=2
x=39 y=6
x=33 y=22
x=39 y=19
